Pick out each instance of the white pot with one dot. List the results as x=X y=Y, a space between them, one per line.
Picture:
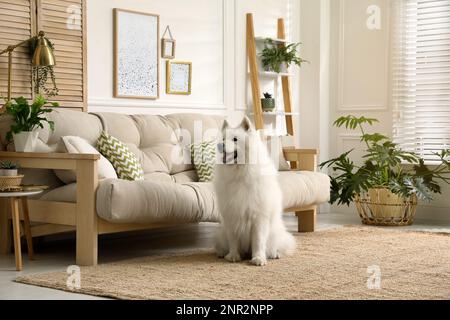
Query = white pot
x=284 y=68
x=25 y=141
x=8 y=172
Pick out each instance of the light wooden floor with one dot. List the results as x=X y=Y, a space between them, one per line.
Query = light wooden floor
x=58 y=254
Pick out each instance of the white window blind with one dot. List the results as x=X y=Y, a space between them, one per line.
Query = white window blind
x=421 y=75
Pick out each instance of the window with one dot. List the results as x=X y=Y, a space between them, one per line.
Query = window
x=421 y=75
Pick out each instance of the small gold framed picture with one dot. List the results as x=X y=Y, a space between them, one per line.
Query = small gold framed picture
x=179 y=77
x=168 y=48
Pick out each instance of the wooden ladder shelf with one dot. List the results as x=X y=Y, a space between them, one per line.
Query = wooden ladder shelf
x=254 y=77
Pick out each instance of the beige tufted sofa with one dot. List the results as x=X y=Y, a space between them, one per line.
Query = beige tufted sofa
x=170 y=193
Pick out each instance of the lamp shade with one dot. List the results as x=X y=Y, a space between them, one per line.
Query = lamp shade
x=43 y=54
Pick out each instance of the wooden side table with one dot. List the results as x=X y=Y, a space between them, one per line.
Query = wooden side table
x=14 y=199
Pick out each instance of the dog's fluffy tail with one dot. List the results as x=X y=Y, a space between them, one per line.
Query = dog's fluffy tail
x=287 y=244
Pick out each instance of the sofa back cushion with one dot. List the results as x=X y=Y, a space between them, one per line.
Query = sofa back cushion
x=162 y=142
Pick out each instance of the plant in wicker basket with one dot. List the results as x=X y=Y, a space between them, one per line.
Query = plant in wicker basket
x=386 y=187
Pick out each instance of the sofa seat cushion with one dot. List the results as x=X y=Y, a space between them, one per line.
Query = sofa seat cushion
x=148 y=201
x=163 y=200
x=304 y=188
x=156 y=201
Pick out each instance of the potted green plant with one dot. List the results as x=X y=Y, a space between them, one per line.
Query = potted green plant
x=386 y=187
x=8 y=169
x=26 y=119
x=268 y=102
x=278 y=58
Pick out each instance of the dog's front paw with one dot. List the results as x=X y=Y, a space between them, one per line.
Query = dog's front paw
x=274 y=255
x=259 y=261
x=233 y=257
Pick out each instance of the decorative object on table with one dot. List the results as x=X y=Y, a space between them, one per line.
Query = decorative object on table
x=124 y=161
x=268 y=102
x=27 y=118
x=8 y=169
x=179 y=77
x=43 y=59
x=168 y=45
x=33 y=187
x=386 y=187
x=14 y=199
x=278 y=58
x=10 y=183
x=136 y=55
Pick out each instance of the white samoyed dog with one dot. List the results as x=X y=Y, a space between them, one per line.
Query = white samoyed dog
x=249 y=199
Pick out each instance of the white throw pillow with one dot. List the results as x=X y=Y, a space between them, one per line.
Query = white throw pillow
x=275 y=149
x=75 y=144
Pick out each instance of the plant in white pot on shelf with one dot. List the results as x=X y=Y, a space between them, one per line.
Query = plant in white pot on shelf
x=386 y=187
x=276 y=57
x=26 y=120
x=8 y=169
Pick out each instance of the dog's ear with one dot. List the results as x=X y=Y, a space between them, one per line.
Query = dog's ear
x=246 y=124
x=225 y=125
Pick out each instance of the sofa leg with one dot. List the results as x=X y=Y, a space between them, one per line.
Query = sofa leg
x=87 y=246
x=5 y=228
x=307 y=220
x=87 y=221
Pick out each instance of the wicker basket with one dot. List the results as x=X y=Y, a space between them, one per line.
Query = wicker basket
x=10 y=183
x=380 y=207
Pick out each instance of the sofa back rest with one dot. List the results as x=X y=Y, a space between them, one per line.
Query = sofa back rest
x=160 y=141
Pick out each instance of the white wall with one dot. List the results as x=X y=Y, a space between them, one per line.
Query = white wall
x=210 y=33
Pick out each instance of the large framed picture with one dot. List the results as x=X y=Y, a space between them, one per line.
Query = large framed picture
x=179 y=77
x=136 y=55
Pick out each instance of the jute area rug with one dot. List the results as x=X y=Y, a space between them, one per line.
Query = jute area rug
x=344 y=263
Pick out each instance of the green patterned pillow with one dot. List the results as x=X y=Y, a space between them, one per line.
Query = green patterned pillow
x=204 y=159
x=123 y=160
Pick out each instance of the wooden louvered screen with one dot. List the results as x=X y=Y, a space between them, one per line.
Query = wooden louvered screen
x=64 y=23
x=17 y=23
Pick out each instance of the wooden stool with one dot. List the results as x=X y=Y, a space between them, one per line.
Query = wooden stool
x=14 y=199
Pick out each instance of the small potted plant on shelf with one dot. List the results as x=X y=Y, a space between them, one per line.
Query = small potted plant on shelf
x=268 y=102
x=278 y=58
x=26 y=120
x=387 y=186
x=8 y=169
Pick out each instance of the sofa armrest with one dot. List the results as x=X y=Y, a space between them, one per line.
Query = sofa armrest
x=63 y=161
x=302 y=159
x=86 y=167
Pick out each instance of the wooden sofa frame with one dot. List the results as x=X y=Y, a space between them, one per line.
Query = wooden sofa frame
x=59 y=217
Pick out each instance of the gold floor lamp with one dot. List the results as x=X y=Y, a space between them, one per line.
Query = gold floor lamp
x=43 y=56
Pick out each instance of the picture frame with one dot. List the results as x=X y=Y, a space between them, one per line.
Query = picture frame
x=168 y=47
x=136 y=55
x=179 y=77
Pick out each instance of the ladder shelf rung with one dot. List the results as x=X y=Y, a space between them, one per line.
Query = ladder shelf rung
x=275 y=40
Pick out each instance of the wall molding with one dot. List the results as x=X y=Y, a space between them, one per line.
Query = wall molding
x=342 y=106
x=120 y=103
